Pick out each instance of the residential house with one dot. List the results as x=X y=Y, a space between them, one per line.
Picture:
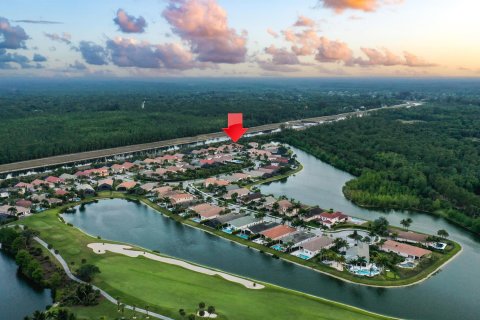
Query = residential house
x=258 y=228
x=126 y=185
x=14 y=210
x=313 y=246
x=241 y=192
x=149 y=186
x=105 y=184
x=404 y=250
x=278 y=232
x=207 y=211
x=358 y=250
x=244 y=222
x=24 y=203
x=329 y=219
x=409 y=236
x=286 y=207
x=86 y=189
x=312 y=214
x=179 y=198
x=297 y=238
x=215 y=181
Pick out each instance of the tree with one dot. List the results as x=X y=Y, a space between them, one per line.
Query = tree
x=406 y=223
x=211 y=309
x=86 y=272
x=380 y=226
x=182 y=312
x=443 y=233
x=201 y=305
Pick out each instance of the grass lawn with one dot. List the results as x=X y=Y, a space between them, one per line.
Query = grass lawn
x=166 y=288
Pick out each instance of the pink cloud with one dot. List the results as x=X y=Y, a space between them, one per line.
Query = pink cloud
x=385 y=57
x=362 y=5
x=204 y=25
x=272 y=32
x=303 y=21
x=128 y=23
x=282 y=56
x=334 y=51
x=304 y=43
x=126 y=52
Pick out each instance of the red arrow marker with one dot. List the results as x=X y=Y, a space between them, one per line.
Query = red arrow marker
x=235 y=128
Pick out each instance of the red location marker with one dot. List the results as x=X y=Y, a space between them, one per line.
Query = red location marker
x=235 y=128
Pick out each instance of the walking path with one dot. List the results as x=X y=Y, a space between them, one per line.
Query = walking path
x=101 y=248
x=103 y=293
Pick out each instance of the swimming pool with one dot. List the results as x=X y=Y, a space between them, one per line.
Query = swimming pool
x=228 y=230
x=277 y=247
x=370 y=272
x=243 y=236
x=196 y=219
x=303 y=256
x=407 y=265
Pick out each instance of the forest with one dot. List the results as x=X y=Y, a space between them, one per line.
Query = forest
x=45 y=118
x=425 y=158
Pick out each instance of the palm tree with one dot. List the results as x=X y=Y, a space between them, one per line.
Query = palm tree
x=443 y=233
x=406 y=223
x=361 y=261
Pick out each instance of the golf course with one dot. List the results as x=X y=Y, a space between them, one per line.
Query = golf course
x=167 y=288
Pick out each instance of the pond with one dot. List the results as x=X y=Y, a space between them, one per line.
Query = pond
x=18 y=297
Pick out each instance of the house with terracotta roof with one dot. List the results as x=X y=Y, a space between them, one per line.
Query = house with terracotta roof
x=278 y=232
x=241 y=192
x=24 y=203
x=149 y=186
x=179 y=198
x=412 y=237
x=313 y=247
x=38 y=183
x=54 y=180
x=286 y=207
x=61 y=192
x=216 y=182
x=126 y=185
x=163 y=191
x=329 y=219
x=404 y=250
x=105 y=184
x=207 y=211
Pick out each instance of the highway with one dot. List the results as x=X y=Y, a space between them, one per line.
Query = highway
x=145 y=147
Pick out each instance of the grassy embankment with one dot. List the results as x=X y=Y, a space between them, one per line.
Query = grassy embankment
x=166 y=288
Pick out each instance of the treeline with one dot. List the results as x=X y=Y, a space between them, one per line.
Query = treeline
x=48 y=119
x=424 y=158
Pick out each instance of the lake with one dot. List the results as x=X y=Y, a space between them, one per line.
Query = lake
x=17 y=297
x=451 y=293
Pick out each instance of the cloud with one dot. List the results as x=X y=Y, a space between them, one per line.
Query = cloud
x=11 y=37
x=304 y=43
x=362 y=5
x=270 y=66
x=128 y=23
x=272 y=32
x=131 y=53
x=77 y=66
x=412 y=60
x=204 y=25
x=11 y=60
x=385 y=57
x=303 y=21
x=39 y=58
x=64 y=37
x=334 y=51
x=282 y=56
x=93 y=53
x=38 y=21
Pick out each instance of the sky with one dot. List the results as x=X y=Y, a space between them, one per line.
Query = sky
x=239 y=38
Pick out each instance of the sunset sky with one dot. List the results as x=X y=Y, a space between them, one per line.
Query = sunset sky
x=214 y=38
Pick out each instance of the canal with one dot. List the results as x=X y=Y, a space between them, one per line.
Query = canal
x=451 y=293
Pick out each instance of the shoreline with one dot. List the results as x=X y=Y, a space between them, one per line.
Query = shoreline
x=148 y=203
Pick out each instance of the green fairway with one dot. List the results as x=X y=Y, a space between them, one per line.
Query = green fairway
x=167 y=288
